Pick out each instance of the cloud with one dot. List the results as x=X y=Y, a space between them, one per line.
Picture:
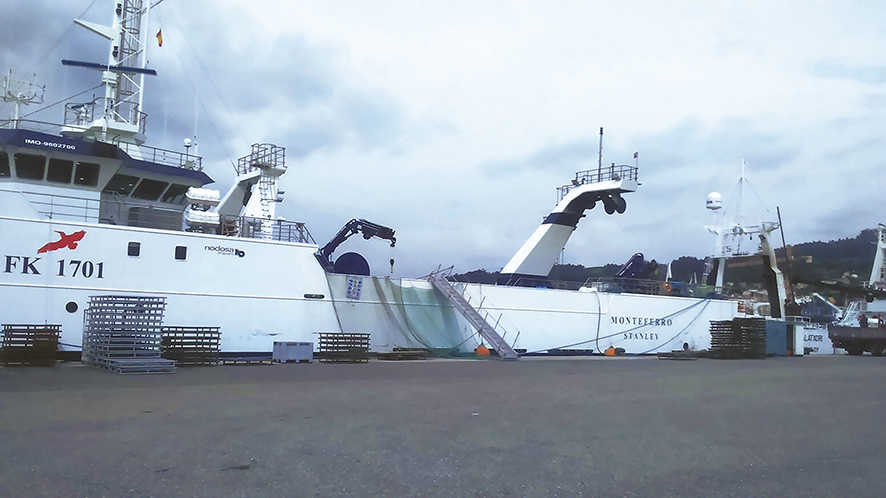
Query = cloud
x=453 y=123
x=868 y=74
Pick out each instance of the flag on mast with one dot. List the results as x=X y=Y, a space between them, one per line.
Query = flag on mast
x=160 y=38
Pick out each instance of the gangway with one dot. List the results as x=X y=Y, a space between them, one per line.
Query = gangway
x=486 y=331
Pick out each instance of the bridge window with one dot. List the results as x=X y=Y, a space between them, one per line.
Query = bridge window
x=4 y=164
x=175 y=194
x=60 y=171
x=87 y=174
x=149 y=190
x=121 y=184
x=29 y=166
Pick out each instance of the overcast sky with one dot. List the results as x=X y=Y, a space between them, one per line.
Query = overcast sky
x=453 y=122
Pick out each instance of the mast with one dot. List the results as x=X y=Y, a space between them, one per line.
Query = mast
x=878 y=271
x=600 y=155
x=730 y=234
x=20 y=92
x=119 y=115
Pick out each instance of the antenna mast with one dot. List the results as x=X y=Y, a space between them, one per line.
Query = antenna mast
x=20 y=92
x=118 y=116
x=600 y=155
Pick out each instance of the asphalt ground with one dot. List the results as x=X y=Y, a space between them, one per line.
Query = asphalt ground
x=534 y=427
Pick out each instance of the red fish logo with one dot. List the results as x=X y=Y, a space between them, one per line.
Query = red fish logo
x=69 y=241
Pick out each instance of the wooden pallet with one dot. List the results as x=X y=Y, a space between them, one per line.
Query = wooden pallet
x=191 y=346
x=739 y=338
x=343 y=347
x=29 y=344
x=247 y=360
x=400 y=354
x=141 y=366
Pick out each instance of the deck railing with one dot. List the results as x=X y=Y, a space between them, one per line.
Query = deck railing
x=260 y=228
x=61 y=207
x=148 y=153
x=613 y=172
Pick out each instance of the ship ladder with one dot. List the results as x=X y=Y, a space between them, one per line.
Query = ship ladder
x=504 y=350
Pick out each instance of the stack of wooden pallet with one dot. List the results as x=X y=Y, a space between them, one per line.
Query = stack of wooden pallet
x=343 y=347
x=123 y=333
x=25 y=344
x=191 y=345
x=738 y=338
x=399 y=354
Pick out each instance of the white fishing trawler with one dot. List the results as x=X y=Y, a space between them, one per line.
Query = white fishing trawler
x=87 y=209
x=862 y=326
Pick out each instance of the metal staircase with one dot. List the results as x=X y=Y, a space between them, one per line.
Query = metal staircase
x=270 y=161
x=488 y=333
x=267 y=188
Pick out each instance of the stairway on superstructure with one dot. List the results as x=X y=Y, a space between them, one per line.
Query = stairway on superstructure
x=505 y=351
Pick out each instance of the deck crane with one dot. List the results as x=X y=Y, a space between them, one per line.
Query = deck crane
x=367 y=228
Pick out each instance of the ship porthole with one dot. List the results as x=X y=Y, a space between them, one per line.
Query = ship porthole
x=71 y=307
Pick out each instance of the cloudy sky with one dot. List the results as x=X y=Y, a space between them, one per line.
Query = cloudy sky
x=453 y=122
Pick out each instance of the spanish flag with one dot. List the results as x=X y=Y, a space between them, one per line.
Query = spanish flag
x=160 y=38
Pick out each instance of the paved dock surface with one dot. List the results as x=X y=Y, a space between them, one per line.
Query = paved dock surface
x=535 y=427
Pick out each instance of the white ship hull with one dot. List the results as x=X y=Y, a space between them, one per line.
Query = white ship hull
x=261 y=291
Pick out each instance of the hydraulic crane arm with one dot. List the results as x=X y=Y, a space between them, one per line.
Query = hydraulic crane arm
x=367 y=228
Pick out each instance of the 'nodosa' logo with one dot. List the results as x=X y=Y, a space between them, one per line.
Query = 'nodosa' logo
x=228 y=251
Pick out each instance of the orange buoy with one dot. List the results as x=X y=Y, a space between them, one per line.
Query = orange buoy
x=482 y=350
x=610 y=351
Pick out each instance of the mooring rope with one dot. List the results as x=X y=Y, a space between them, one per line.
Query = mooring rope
x=600 y=318
x=678 y=334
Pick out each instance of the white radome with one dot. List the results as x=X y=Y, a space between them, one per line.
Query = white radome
x=715 y=201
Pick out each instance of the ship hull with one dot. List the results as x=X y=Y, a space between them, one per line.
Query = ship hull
x=260 y=291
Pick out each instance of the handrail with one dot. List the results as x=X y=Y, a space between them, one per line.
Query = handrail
x=614 y=172
x=255 y=228
x=91 y=209
x=150 y=153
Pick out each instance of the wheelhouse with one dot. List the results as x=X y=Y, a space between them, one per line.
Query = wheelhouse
x=80 y=180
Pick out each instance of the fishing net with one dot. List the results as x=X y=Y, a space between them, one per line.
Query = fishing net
x=400 y=315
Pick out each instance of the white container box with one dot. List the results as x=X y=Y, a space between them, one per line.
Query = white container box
x=293 y=351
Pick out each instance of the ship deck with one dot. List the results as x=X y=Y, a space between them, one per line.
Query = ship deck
x=565 y=426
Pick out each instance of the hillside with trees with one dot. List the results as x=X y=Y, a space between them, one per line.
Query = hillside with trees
x=847 y=260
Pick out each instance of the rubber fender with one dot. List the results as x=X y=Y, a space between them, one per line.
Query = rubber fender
x=620 y=204
x=608 y=204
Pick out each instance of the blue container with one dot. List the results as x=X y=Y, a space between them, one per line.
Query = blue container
x=776 y=338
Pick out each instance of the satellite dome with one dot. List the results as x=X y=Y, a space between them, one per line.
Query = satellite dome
x=715 y=201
